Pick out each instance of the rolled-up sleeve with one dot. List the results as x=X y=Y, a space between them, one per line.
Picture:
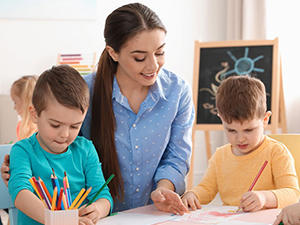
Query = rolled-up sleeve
x=175 y=161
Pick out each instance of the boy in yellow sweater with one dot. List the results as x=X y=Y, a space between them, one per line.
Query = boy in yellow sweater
x=241 y=105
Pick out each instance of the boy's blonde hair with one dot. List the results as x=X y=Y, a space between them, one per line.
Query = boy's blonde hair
x=23 y=89
x=241 y=98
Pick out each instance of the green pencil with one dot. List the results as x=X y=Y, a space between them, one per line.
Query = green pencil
x=103 y=186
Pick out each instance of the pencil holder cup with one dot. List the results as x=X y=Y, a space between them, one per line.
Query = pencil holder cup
x=61 y=217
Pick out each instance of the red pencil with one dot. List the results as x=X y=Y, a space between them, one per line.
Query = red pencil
x=258 y=175
x=60 y=198
x=255 y=179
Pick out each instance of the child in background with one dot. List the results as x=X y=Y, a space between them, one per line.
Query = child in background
x=21 y=94
x=241 y=105
x=60 y=101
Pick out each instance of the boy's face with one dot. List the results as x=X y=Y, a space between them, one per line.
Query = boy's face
x=245 y=136
x=58 y=126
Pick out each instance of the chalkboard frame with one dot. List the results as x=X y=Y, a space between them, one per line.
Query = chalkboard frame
x=275 y=91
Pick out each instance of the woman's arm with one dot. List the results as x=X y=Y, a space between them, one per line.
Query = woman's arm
x=175 y=161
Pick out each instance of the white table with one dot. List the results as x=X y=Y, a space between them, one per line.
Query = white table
x=209 y=214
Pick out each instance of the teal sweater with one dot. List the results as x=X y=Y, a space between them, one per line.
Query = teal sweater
x=80 y=161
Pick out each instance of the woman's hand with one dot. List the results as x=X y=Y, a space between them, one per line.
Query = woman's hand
x=5 y=170
x=189 y=199
x=168 y=201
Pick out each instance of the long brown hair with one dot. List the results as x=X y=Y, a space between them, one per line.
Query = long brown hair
x=121 y=25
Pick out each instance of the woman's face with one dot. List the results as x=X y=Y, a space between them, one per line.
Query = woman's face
x=141 y=58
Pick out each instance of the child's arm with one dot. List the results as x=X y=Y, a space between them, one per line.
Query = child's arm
x=286 y=181
x=29 y=204
x=289 y=215
x=95 y=211
x=207 y=189
x=286 y=190
x=256 y=200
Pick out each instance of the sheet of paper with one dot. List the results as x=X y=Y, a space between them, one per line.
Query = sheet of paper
x=216 y=215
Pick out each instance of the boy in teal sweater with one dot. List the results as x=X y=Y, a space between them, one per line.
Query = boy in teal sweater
x=60 y=101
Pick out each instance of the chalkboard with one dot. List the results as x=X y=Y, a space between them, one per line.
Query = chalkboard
x=216 y=61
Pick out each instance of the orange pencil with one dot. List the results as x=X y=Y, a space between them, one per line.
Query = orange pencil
x=35 y=188
x=83 y=197
x=45 y=189
x=77 y=198
x=54 y=199
x=69 y=197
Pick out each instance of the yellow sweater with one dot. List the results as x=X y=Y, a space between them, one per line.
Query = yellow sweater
x=232 y=175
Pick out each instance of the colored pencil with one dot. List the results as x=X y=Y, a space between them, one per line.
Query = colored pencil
x=255 y=179
x=77 y=198
x=65 y=191
x=57 y=185
x=60 y=198
x=258 y=175
x=103 y=186
x=54 y=199
x=34 y=187
x=45 y=189
x=69 y=197
x=64 y=201
x=44 y=196
x=37 y=187
x=83 y=197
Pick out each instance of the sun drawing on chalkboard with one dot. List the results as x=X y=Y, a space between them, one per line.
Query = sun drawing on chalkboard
x=243 y=65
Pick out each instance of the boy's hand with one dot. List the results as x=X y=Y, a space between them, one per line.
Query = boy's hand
x=253 y=201
x=94 y=212
x=289 y=215
x=5 y=170
x=85 y=221
x=89 y=215
x=189 y=199
x=168 y=201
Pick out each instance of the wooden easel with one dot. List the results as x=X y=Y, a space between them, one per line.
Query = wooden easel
x=278 y=119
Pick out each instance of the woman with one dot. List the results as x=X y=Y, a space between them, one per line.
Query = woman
x=140 y=117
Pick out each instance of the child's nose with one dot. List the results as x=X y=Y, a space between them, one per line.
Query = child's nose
x=64 y=132
x=241 y=138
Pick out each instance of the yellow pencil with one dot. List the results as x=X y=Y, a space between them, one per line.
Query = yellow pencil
x=34 y=187
x=83 y=197
x=54 y=199
x=77 y=198
x=64 y=201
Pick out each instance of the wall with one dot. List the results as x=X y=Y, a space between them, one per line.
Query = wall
x=31 y=46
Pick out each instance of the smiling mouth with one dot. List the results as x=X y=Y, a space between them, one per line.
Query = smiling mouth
x=148 y=74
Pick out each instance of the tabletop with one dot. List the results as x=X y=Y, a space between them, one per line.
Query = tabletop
x=209 y=214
